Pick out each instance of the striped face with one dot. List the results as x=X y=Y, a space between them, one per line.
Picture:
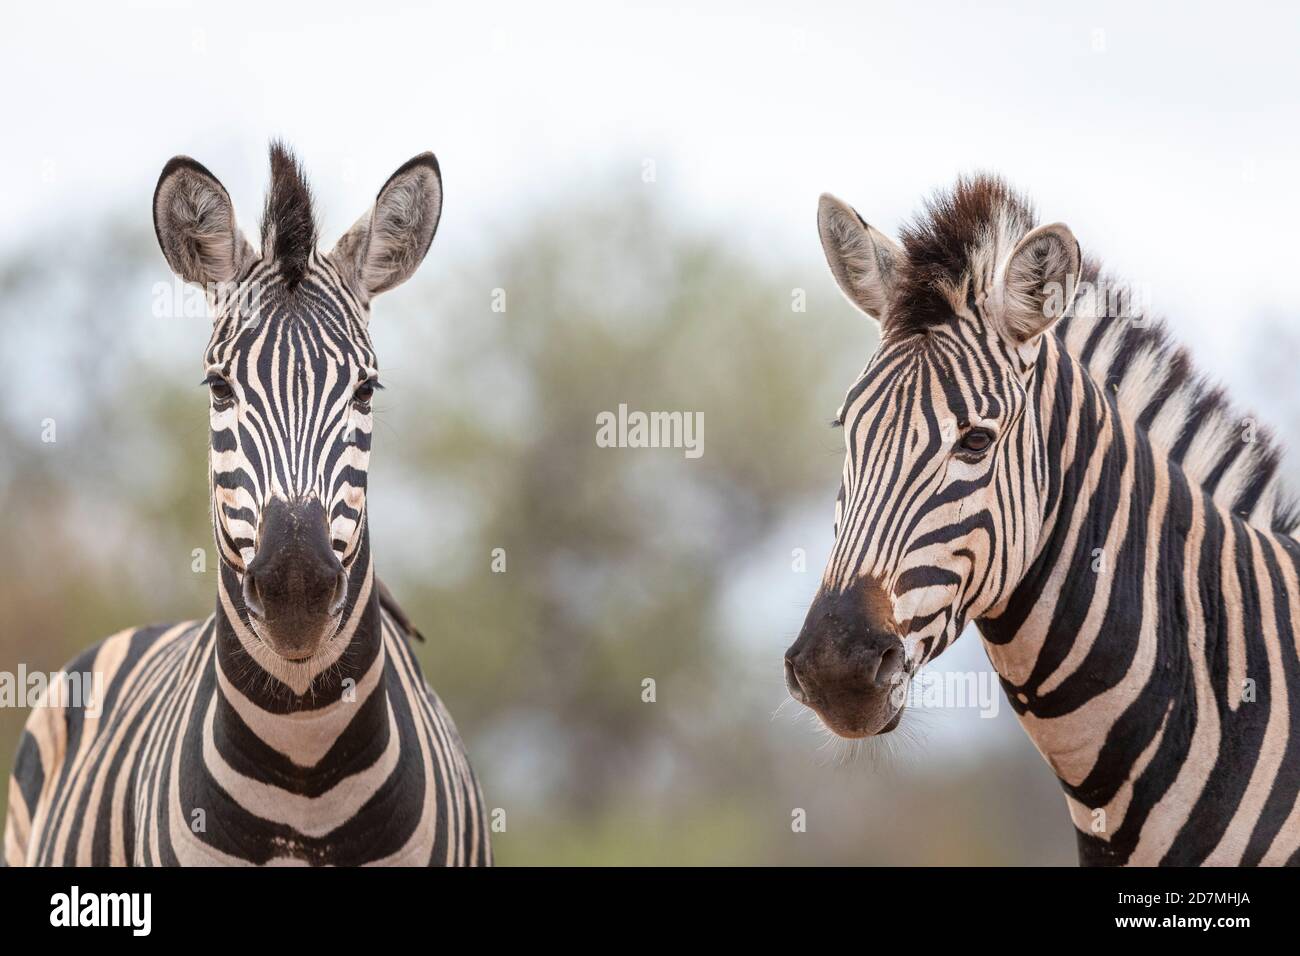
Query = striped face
x=939 y=512
x=938 y=493
x=291 y=374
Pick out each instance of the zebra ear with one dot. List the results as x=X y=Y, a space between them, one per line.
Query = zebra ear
x=389 y=242
x=1038 y=282
x=863 y=260
x=195 y=224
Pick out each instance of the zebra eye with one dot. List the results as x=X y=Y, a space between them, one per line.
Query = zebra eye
x=365 y=392
x=976 y=440
x=220 y=388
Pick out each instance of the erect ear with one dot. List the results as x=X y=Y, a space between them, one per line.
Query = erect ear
x=863 y=260
x=195 y=223
x=386 y=245
x=1038 y=283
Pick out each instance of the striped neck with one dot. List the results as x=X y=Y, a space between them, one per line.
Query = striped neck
x=301 y=709
x=1126 y=648
x=299 y=751
x=1097 y=485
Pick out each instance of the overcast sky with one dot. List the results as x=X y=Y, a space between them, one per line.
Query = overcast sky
x=1165 y=136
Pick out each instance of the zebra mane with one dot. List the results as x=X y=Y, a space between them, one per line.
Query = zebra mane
x=1127 y=352
x=288 y=222
x=954 y=231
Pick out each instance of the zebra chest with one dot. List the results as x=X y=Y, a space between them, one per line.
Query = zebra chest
x=223 y=794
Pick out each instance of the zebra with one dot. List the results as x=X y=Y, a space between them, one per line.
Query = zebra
x=293 y=725
x=1030 y=451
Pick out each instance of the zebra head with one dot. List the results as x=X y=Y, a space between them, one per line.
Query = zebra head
x=938 y=514
x=291 y=373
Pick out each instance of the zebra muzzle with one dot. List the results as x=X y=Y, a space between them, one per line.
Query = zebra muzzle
x=295 y=588
x=847 y=668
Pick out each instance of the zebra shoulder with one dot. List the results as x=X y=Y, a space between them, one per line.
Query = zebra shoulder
x=70 y=705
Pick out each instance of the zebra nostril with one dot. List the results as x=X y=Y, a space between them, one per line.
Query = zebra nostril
x=340 y=593
x=792 y=682
x=253 y=600
x=891 y=662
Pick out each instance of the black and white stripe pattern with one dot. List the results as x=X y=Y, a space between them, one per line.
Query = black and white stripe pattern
x=283 y=729
x=1083 y=497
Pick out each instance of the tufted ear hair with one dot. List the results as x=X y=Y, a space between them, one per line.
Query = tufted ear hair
x=863 y=260
x=195 y=224
x=1038 y=283
x=386 y=245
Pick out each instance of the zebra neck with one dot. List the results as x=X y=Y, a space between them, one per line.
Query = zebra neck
x=1077 y=612
x=1129 y=647
x=302 y=709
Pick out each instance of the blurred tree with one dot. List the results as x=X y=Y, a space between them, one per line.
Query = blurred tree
x=621 y=565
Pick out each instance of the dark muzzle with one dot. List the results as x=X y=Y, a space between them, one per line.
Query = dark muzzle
x=847 y=667
x=295 y=587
